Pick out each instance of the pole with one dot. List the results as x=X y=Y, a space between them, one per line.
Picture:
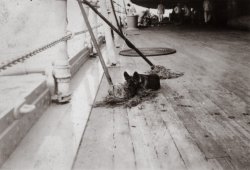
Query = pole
x=95 y=43
x=113 y=9
x=130 y=45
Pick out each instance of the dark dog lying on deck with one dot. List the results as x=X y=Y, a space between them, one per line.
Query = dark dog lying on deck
x=142 y=81
x=133 y=91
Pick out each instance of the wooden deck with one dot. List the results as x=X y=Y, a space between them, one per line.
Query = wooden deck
x=198 y=121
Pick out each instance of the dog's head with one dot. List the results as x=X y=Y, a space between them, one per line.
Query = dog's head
x=129 y=79
x=132 y=83
x=136 y=79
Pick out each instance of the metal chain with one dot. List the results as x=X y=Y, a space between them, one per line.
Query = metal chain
x=10 y=63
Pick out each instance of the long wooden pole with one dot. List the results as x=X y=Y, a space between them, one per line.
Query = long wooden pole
x=113 y=10
x=130 y=45
x=95 y=43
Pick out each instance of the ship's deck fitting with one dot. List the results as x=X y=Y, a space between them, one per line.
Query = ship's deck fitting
x=147 y=52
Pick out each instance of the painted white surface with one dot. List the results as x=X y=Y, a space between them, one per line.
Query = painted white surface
x=28 y=24
x=53 y=141
x=14 y=89
x=75 y=24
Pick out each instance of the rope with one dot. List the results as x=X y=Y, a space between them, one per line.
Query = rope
x=9 y=63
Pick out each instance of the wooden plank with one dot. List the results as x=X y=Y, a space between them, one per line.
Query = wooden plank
x=220 y=95
x=210 y=87
x=124 y=155
x=233 y=107
x=193 y=157
x=211 y=82
x=223 y=97
x=219 y=152
x=222 y=163
x=163 y=143
x=107 y=143
x=205 y=89
x=164 y=154
x=223 y=114
x=213 y=74
x=96 y=149
x=209 y=146
x=145 y=154
x=218 y=67
x=235 y=144
x=225 y=133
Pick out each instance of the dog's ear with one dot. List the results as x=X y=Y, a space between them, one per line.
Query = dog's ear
x=126 y=75
x=136 y=76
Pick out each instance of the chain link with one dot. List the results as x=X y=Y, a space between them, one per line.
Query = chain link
x=9 y=63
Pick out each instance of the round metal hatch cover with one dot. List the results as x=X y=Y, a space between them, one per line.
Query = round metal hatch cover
x=148 y=52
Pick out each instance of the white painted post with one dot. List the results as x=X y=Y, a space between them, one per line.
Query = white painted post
x=61 y=67
x=111 y=57
x=61 y=74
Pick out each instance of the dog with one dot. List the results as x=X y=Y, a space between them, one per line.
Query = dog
x=142 y=81
x=131 y=85
x=151 y=81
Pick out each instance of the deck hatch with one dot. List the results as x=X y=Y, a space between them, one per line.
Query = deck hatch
x=148 y=52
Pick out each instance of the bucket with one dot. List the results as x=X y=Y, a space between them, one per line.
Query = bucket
x=132 y=22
